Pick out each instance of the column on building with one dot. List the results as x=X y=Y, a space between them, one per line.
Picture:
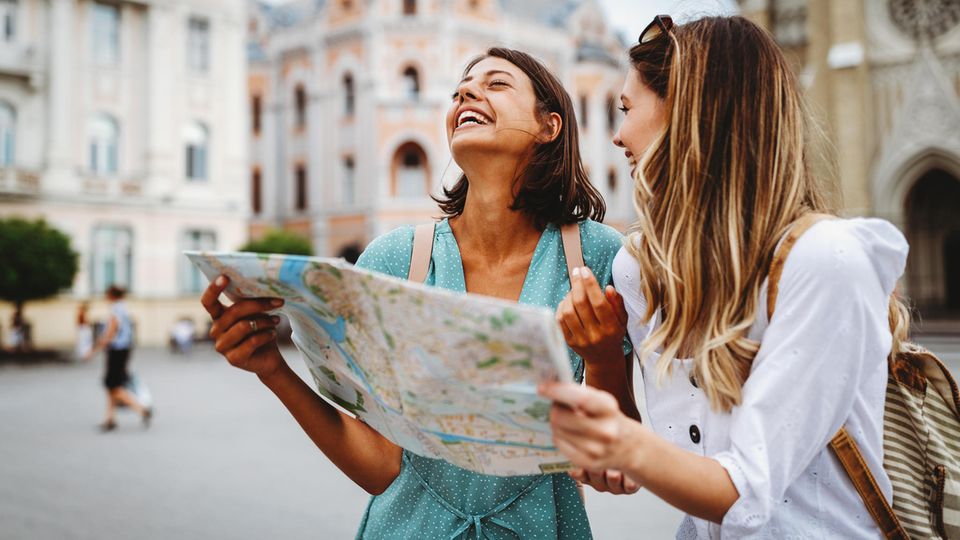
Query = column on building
x=62 y=105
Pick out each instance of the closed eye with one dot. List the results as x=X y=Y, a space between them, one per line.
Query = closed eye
x=498 y=82
x=623 y=109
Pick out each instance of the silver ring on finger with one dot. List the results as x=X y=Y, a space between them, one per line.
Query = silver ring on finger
x=253 y=325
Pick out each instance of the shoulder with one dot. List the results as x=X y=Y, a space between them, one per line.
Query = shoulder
x=600 y=244
x=389 y=253
x=843 y=256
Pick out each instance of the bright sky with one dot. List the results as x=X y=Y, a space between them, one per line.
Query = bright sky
x=632 y=16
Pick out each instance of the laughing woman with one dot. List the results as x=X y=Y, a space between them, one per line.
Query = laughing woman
x=511 y=129
x=743 y=398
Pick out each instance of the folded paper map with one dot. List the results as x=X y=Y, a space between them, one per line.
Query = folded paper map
x=444 y=375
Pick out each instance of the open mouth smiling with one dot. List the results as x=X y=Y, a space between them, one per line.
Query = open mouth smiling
x=472 y=117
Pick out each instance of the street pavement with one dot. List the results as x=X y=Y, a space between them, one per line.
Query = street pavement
x=222 y=460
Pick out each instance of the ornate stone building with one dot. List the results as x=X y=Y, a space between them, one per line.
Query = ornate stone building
x=884 y=78
x=122 y=123
x=348 y=97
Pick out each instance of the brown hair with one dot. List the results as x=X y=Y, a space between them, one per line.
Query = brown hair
x=116 y=292
x=553 y=186
x=716 y=191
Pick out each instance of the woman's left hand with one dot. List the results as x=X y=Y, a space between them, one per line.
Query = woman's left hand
x=590 y=430
x=593 y=320
x=608 y=481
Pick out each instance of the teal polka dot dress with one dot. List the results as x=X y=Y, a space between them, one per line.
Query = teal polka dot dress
x=433 y=499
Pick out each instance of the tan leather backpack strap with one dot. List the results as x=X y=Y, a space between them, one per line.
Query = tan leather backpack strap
x=856 y=468
x=422 y=251
x=572 y=250
x=800 y=226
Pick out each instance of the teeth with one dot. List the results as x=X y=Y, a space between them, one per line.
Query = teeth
x=467 y=116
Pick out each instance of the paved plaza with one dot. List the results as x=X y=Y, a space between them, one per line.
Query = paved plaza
x=222 y=460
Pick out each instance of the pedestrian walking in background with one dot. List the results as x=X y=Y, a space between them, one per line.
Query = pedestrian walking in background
x=84 y=332
x=117 y=340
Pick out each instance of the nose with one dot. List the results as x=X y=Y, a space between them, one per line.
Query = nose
x=616 y=139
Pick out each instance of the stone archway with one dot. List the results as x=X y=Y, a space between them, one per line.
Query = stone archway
x=932 y=223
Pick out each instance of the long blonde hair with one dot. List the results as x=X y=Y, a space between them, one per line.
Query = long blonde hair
x=716 y=192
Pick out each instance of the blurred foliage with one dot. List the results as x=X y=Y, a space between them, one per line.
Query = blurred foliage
x=36 y=262
x=279 y=241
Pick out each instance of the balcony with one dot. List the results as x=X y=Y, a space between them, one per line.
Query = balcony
x=19 y=182
x=21 y=61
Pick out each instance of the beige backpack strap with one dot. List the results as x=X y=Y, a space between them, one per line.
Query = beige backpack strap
x=851 y=460
x=422 y=251
x=842 y=444
x=572 y=250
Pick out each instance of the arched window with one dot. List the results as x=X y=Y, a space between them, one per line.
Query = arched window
x=349 y=181
x=612 y=180
x=300 y=187
x=410 y=171
x=104 y=136
x=300 y=104
x=8 y=134
x=583 y=111
x=256 y=191
x=349 y=95
x=256 y=107
x=196 y=138
x=111 y=258
x=8 y=20
x=411 y=84
x=409 y=7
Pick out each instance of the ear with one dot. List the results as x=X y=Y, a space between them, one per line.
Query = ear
x=551 y=128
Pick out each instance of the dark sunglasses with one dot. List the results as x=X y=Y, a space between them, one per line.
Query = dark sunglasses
x=660 y=25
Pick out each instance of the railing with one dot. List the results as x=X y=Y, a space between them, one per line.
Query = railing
x=19 y=182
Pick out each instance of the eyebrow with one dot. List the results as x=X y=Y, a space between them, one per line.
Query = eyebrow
x=487 y=74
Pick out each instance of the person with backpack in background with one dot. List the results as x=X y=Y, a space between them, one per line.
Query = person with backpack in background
x=117 y=340
x=764 y=325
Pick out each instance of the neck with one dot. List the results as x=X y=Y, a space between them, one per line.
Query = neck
x=487 y=225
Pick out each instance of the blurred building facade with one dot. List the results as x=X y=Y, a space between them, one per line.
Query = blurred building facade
x=122 y=123
x=348 y=97
x=884 y=78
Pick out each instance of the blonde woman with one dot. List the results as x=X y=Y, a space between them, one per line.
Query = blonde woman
x=741 y=408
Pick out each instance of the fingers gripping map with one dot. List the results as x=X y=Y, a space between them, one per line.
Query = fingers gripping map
x=444 y=375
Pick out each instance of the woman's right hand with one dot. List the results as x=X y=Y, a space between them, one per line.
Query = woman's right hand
x=244 y=333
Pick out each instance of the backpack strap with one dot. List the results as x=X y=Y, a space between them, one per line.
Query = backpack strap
x=422 y=251
x=842 y=444
x=572 y=250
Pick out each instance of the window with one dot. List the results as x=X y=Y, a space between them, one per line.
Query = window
x=198 y=45
x=409 y=7
x=411 y=84
x=349 y=99
x=111 y=261
x=8 y=134
x=612 y=180
x=196 y=140
x=255 y=188
x=300 y=103
x=583 y=111
x=612 y=114
x=301 y=187
x=104 y=136
x=192 y=280
x=255 y=114
x=349 y=180
x=105 y=33
x=8 y=18
x=410 y=171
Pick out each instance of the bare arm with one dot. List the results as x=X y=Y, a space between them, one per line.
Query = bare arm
x=104 y=340
x=589 y=429
x=245 y=335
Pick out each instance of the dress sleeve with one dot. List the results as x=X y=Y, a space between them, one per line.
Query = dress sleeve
x=389 y=253
x=828 y=334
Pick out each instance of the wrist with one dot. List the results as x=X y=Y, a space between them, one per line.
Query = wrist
x=271 y=377
x=637 y=443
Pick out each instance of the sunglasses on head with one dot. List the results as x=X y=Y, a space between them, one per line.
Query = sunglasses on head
x=660 y=25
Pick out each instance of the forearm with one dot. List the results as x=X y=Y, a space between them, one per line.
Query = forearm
x=365 y=456
x=695 y=484
x=615 y=377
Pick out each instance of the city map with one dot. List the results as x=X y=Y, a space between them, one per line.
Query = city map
x=444 y=375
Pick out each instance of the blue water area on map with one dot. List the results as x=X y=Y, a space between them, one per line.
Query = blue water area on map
x=448 y=437
x=291 y=271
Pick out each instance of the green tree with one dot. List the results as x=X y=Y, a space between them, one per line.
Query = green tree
x=36 y=262
x=279 y=241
